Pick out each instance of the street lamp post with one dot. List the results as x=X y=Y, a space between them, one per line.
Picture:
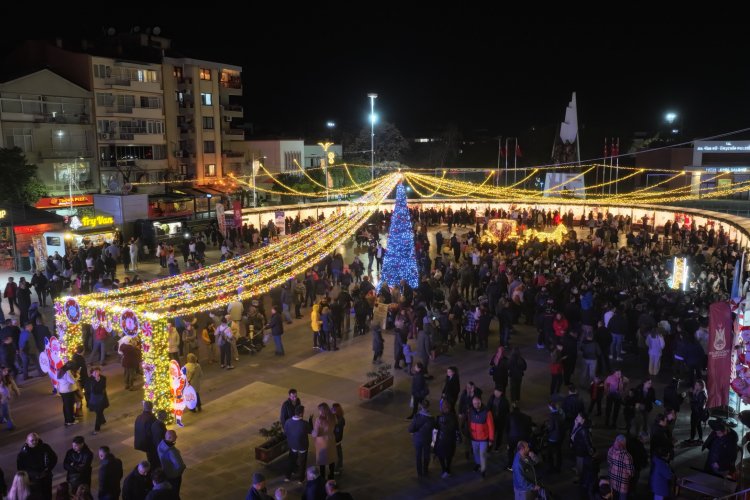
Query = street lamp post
x=372 y=97
x=325 y=146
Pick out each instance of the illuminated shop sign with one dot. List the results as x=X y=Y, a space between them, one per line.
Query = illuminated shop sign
x=91 y=222
x=713 y=170
x=723 y=147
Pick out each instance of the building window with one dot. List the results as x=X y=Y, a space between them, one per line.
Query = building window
x=205 y=74
x=209 y=170
x=155 y=127
x=102 y=71
x=150 y=102
x=206 y=99
x=209 y=147
x=104 y=99
x=289 y=158
x=19 y=138
x=177 y=72
x=145 y=75
x=208 y=122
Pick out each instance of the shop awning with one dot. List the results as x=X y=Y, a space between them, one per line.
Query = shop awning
x=16 y=215
x=196 y=193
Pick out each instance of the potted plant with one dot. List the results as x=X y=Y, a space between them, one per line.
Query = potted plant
x=274 y=446
x=377 y=382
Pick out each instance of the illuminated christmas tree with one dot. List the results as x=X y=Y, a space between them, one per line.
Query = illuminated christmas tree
x=400 y=261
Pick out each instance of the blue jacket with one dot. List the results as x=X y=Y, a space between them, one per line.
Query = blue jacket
x=522 y=474
x=661 y=477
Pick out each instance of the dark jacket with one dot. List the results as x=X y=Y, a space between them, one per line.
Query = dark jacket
x=162 y=491
x=287 y=410
x=158 y=429
x=97 y=392
x=555 y=427
x=519 y=426
x=500 y=373
x=419 y=387
x=136 y=486
x=297 y=431
x=451 y=389
x=38 y=461
x=421 y=428
x=500 y=408
x=110 y=475
x=315 y=490
x=581 y=442
x=78 y=466
x=142 y=433
x=516 y=367
x=276 y=325
x=447 y=426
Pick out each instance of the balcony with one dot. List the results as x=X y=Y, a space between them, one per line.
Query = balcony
x=232 y=86
x=232 y=110
x=232 y=154
x=65 y=154
x=234 y=134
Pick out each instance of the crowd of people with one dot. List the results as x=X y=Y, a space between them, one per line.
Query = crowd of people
x=601 y=309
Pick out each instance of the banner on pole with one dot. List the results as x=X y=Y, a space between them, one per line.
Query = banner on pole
x=237 y=207
x=221 y=218
x=280 y=222
x=719 y=354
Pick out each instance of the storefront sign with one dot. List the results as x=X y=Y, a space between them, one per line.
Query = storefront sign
x=91 y=222
x=3 y=213
x=723 y=147
x=65 y=201
x=713 y=170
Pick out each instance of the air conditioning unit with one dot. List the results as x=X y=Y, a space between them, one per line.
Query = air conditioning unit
x=105 y=136
x=227 y=118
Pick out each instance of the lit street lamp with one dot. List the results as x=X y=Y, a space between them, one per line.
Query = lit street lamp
x=373 y=118
x=670 y=117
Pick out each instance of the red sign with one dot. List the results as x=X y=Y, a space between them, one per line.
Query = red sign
x=237 y=206
x=720 y=344
x=65 y=201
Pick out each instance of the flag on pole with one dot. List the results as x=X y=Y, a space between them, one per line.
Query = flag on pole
x=606 y=149
x=518 y=150
x=615 y=147
x=503 y=153
x=736 y=283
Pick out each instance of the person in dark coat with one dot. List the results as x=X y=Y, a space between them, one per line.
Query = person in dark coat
x=315 y=488
x=378 y=344
x=499 y=369
x=38 y=460
x=258 y=488
x=137 y=484
x=516 y=369
x=519 y=429
x=297 y=430
x=142 y=440
x=447 y=437
x=158 y=431
x=162 y=489
x=110 y=475
x=421 y=430
x=276 y=325
x=419 y=389
x=452 y=388
x=722 y=448
x=97 y=400
x=289 y=406
x=500 y=408
x=77 y=463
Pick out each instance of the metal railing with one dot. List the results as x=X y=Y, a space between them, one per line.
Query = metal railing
x=739 y=495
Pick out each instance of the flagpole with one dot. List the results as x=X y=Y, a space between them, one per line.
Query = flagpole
x=499 y=150
x=506 y=161
x=515 y=161
x=617 y=174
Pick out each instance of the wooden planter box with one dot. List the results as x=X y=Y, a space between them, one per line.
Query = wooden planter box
x=370 y=391
x=267 y=454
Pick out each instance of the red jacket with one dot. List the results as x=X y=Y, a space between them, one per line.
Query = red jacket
x=481 y=425
x=560 y=326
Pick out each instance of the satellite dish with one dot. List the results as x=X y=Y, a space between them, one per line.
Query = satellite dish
x=157 y=30
x=111 y=31
x=136 y=29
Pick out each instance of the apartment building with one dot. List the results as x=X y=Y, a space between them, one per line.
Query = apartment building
x=130 y=121
x=50 y=119
x=202 y=103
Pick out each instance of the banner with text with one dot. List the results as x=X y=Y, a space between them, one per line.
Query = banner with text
x=280 y=222
x=719 y=354
x=221 y=218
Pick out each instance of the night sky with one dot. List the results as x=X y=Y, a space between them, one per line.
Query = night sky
x=488 y=75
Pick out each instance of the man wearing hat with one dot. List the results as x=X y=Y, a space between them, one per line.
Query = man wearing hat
x=722 y=448
x=258 y=488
